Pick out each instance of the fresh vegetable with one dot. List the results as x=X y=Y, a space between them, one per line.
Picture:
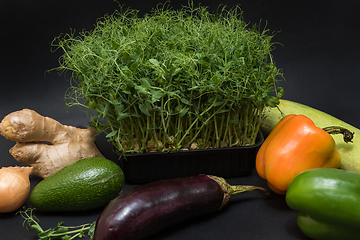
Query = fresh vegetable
x=293 y=146
x=14 y=187
x=149 y=208
x=59 y=232
x=33 y=132
x=83 y=185
x=329 y=203
x=172 y=78
x=350 y=153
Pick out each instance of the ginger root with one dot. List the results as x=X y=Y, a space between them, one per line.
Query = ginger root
x=33 y=132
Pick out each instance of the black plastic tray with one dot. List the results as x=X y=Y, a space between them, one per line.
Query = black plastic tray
x=223 y=162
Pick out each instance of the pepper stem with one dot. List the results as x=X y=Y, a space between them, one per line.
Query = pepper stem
x=348 y=136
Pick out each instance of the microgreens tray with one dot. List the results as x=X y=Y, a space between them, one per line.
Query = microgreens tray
x=223 y=162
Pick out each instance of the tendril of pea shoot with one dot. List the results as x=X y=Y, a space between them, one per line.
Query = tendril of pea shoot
x=171 y=78
x=59 y=232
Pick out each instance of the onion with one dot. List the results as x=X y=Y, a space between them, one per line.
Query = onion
x=14 y=187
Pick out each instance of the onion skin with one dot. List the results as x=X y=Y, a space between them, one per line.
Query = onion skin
x=14 y=187
x=150 y=208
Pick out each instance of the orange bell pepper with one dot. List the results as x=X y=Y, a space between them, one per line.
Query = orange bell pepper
x=293 y=146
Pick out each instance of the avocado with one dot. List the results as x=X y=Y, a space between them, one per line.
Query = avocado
x=86 y=184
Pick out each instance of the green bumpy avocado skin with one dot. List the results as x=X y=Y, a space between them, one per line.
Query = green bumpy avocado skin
x=87 y=184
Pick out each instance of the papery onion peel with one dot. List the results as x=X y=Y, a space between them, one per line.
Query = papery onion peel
x=14 y=187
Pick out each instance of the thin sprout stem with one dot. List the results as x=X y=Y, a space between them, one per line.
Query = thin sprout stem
x=246 y=123
x=217 y=137
x=78 y=231
x=198 y=132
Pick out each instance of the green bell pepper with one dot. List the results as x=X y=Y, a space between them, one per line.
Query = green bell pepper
x=329 y=203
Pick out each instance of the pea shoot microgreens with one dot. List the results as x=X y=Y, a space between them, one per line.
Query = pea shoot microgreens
x=172 y=78
x=59 y=232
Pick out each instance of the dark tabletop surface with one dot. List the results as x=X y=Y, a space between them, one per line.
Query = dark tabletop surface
x=319 y=56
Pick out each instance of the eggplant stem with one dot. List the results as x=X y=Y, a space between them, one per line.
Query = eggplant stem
x=231 y=190
x=238 y=189
x=348 y=136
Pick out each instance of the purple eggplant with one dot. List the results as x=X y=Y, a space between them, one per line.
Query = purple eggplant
x=150 y=208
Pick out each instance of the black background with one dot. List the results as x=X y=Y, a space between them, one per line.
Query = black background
x=319 y=56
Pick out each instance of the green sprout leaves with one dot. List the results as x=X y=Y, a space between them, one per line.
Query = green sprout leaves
x=59 y=232
x=172 y=77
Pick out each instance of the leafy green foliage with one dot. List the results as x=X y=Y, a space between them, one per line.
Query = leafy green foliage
x=173 y=77
x=59 y=232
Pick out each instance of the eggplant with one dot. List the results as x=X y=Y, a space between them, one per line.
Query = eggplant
x=150 y=208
